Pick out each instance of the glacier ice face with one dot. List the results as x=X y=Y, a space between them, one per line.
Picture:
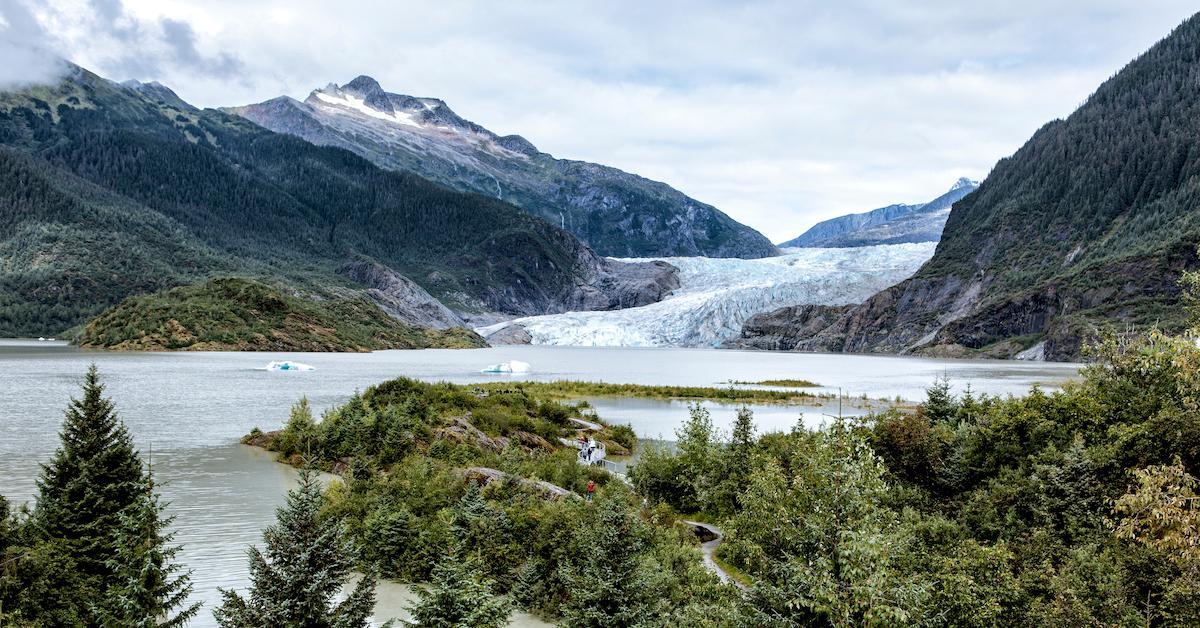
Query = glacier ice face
x=718 y=295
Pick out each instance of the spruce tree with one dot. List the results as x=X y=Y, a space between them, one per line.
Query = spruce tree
x=390 y=537
x=467 y=517
x=95 y=475
x=609 y=583
x=939 y=404
x=737 y=461
x=460 y=594
x=306 y=563
x=146 y=586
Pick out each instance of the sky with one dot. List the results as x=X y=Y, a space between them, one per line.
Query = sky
x=781 y=114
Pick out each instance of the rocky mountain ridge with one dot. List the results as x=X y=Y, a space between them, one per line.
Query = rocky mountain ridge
x=1087 y=226
x=617 y=213
x=110 y=190
x=894 y=224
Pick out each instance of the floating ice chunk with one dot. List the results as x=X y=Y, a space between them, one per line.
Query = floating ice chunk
x=286 y=365
x=514 y=366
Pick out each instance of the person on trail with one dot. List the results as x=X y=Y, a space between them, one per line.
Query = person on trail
x=591 y=489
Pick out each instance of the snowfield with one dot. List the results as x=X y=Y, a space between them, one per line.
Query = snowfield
x=718 y=295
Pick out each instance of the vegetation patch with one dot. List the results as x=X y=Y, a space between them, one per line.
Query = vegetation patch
x=578 y=390
x=444 y=484
x=246 y=315
x=781 y=383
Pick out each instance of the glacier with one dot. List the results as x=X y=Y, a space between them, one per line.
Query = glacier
x=717 y=295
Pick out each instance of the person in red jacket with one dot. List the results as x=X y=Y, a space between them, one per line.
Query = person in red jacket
x=591 y=489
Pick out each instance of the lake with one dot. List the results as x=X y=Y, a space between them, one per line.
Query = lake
x=190 y=409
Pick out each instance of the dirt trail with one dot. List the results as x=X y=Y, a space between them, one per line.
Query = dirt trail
x=709 y=548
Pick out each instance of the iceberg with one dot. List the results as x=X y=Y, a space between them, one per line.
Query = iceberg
x=717 y=296
x=513 y=366
x=286 y=365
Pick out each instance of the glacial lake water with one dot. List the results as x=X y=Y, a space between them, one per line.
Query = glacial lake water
x=190 y=409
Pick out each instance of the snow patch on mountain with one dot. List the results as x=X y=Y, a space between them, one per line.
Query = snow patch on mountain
x=358 y=104
x=717 y=295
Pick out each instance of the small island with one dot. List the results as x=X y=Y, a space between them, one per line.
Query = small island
x=238 y=314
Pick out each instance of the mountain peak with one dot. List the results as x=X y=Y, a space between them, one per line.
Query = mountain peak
x=157 y=92
x=964 y=182
x=369 y=90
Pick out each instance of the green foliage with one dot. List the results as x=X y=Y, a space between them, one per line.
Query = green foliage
x=391 y=420
x=306 y=563
x=608 y=579
x=449 y=491
x=460 y=594
x=623 y=435
x=147 y=589
x=110 y=195
x=94 y=551
x=831 y=557
x=242 y=314
x=970 y=510
x=94 y=476
x=1162 y=513
x=578 y=390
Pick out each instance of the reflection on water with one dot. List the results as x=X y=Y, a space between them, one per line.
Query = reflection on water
x=191 y=408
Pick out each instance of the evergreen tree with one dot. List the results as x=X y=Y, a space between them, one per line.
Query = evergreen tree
x=742 y=439
x=146 y=586
x=609 y=583
x=696 y=442
x=737 y=462
x=306 y=563
x=390 y=536
x=460 y=595
x=468 y=515
x=95 y=476
x=939 y=404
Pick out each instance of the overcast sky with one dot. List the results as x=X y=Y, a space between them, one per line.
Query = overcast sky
x=779 y=113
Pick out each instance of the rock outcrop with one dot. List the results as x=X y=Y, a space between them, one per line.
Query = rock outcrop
x=460 y=430
x=400 y=296
x=788 y=328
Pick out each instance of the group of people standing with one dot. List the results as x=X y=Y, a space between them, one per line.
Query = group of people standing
x=588 y=450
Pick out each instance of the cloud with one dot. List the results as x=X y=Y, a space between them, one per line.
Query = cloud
x=181 y=40
x=23 y=47
x=105 y=36
x=779 y=112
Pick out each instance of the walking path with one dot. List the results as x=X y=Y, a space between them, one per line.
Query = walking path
x=587 y=425
x=709 y=548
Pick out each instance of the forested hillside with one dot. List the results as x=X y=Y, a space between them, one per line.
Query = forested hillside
x=1090 y=223
x=617 y=213
x=109 y=193
x=231 y=314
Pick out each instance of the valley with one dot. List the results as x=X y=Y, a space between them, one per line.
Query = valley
x=716 y=296
x=345 y=358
